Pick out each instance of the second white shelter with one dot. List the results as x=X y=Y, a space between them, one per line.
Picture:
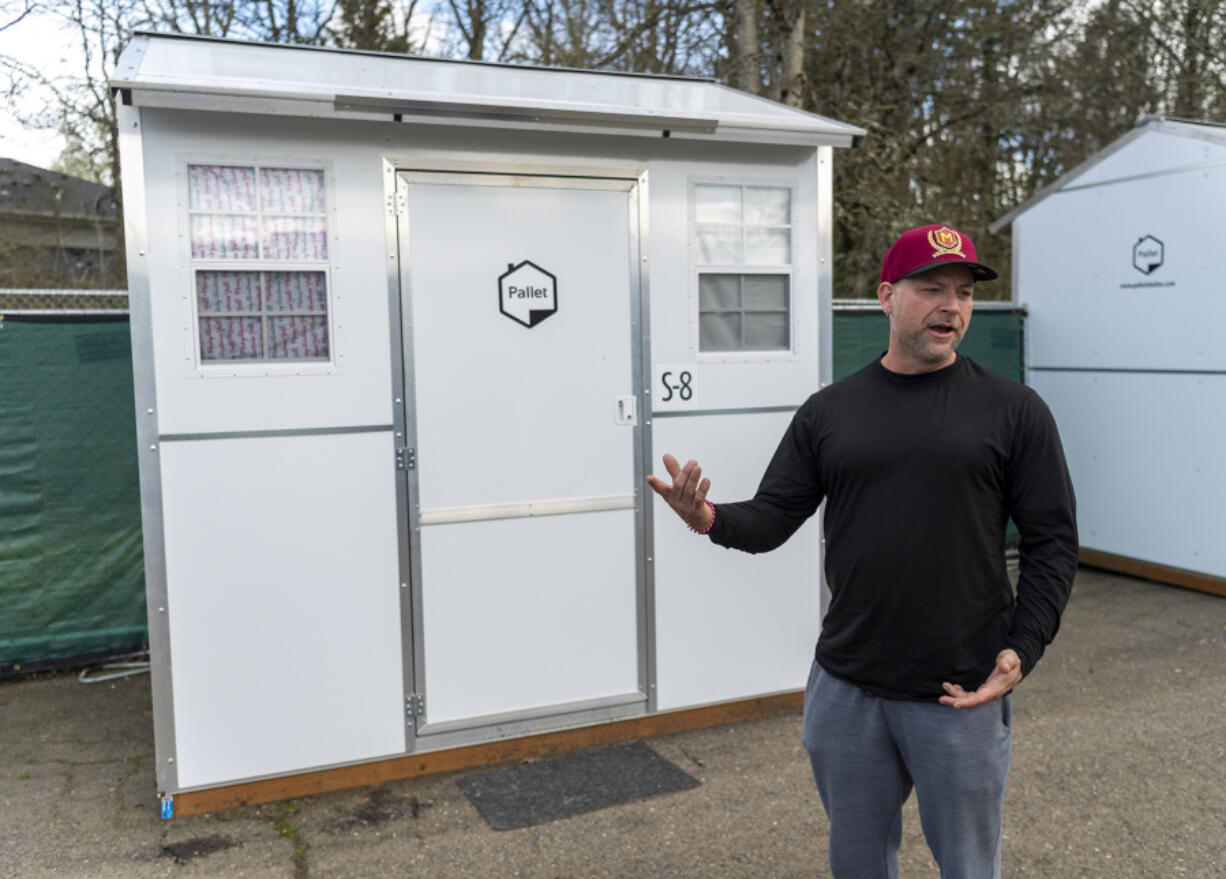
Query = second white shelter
x=1121 y=265
x=408 y=334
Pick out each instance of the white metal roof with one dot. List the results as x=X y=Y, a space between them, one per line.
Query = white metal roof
x=1207 y=131
x=174 y=70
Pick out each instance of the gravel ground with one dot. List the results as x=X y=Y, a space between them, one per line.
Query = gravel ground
x=1119 y=770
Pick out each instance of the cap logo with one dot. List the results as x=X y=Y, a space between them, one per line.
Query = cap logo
x=945 y=241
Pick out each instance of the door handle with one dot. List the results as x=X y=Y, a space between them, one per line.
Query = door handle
x=627 y=410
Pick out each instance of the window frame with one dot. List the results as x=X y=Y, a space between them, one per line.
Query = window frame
x=696 y=269
x=742 y=310
x=192 y=266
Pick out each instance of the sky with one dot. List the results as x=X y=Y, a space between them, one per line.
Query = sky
x=37 y=41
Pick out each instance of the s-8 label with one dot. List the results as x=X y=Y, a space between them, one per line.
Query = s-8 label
x=680 y=386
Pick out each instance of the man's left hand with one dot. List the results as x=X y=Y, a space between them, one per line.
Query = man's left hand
x=1006 y=676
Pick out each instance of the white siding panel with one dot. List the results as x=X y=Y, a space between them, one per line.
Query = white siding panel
x=1090 y=308
x=527 y=613
x=730 y=625
x=1152 y=151
x=356 y=388
x=1145 y=453
x=284 y=604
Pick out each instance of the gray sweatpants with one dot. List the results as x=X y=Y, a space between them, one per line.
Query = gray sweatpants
x=868 y=752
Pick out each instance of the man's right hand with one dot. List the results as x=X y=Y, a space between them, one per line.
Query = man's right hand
x=687 y=494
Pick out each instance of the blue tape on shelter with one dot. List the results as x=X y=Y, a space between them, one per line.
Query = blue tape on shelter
x=71 y=559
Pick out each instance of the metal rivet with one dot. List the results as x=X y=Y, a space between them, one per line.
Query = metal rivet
x=153 y=448
x=150 y=411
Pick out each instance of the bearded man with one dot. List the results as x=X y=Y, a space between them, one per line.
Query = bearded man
x=921 y=457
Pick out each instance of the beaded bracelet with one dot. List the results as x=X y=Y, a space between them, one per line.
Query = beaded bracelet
x=710 y=524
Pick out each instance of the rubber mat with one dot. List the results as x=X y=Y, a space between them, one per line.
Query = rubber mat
x=536 y=793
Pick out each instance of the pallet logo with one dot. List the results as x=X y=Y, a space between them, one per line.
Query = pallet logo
x=1147 y=254
x=527 y=294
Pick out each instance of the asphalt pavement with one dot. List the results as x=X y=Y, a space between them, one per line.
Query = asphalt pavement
x=1119 y=772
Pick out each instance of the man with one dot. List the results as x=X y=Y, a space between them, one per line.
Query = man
x=921 y=458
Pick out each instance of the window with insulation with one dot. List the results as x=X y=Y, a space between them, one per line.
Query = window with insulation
x=259 y=263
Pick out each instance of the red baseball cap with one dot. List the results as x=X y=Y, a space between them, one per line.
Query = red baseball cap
x=929 y=247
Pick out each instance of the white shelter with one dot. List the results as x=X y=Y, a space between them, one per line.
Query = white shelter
x=1121 y=266
x=408 y=334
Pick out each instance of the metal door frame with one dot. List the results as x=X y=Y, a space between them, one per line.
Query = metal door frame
x=398 y=174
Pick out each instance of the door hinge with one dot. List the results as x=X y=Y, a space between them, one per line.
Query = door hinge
x=415 y=705
x=397 y=204
x=406 y=459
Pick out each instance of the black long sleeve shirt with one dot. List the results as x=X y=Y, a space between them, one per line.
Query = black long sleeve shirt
x=920 y=474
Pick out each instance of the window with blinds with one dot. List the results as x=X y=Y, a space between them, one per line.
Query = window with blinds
x=743 y=258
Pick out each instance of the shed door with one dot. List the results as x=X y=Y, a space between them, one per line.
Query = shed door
x=519 y=301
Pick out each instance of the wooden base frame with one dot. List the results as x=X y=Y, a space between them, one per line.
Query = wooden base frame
x=1151 y=571
x=488 y=754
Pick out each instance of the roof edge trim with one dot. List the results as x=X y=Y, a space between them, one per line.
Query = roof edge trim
x=401 y=56
x=854 y=131
x=1167 y=124
x=1146 y=125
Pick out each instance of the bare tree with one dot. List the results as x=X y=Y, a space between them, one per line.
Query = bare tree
x=12 y=13
x=381 y=25
x=212 y=17
x=492 y=29
x=288 y=21
x=473 y=19
x=646 y=36
x=745 y=68
x=971 y=105
x=788 y=73
x=561 y=33
x=278 y=21
x=1189 y=42
x=82 y=108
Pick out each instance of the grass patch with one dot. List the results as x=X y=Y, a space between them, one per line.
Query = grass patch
x=292 y=832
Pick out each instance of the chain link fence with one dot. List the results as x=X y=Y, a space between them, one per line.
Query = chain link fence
x=35 y=301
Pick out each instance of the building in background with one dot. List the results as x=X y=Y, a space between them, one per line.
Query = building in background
x=1120 y=264
x=57 y=231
